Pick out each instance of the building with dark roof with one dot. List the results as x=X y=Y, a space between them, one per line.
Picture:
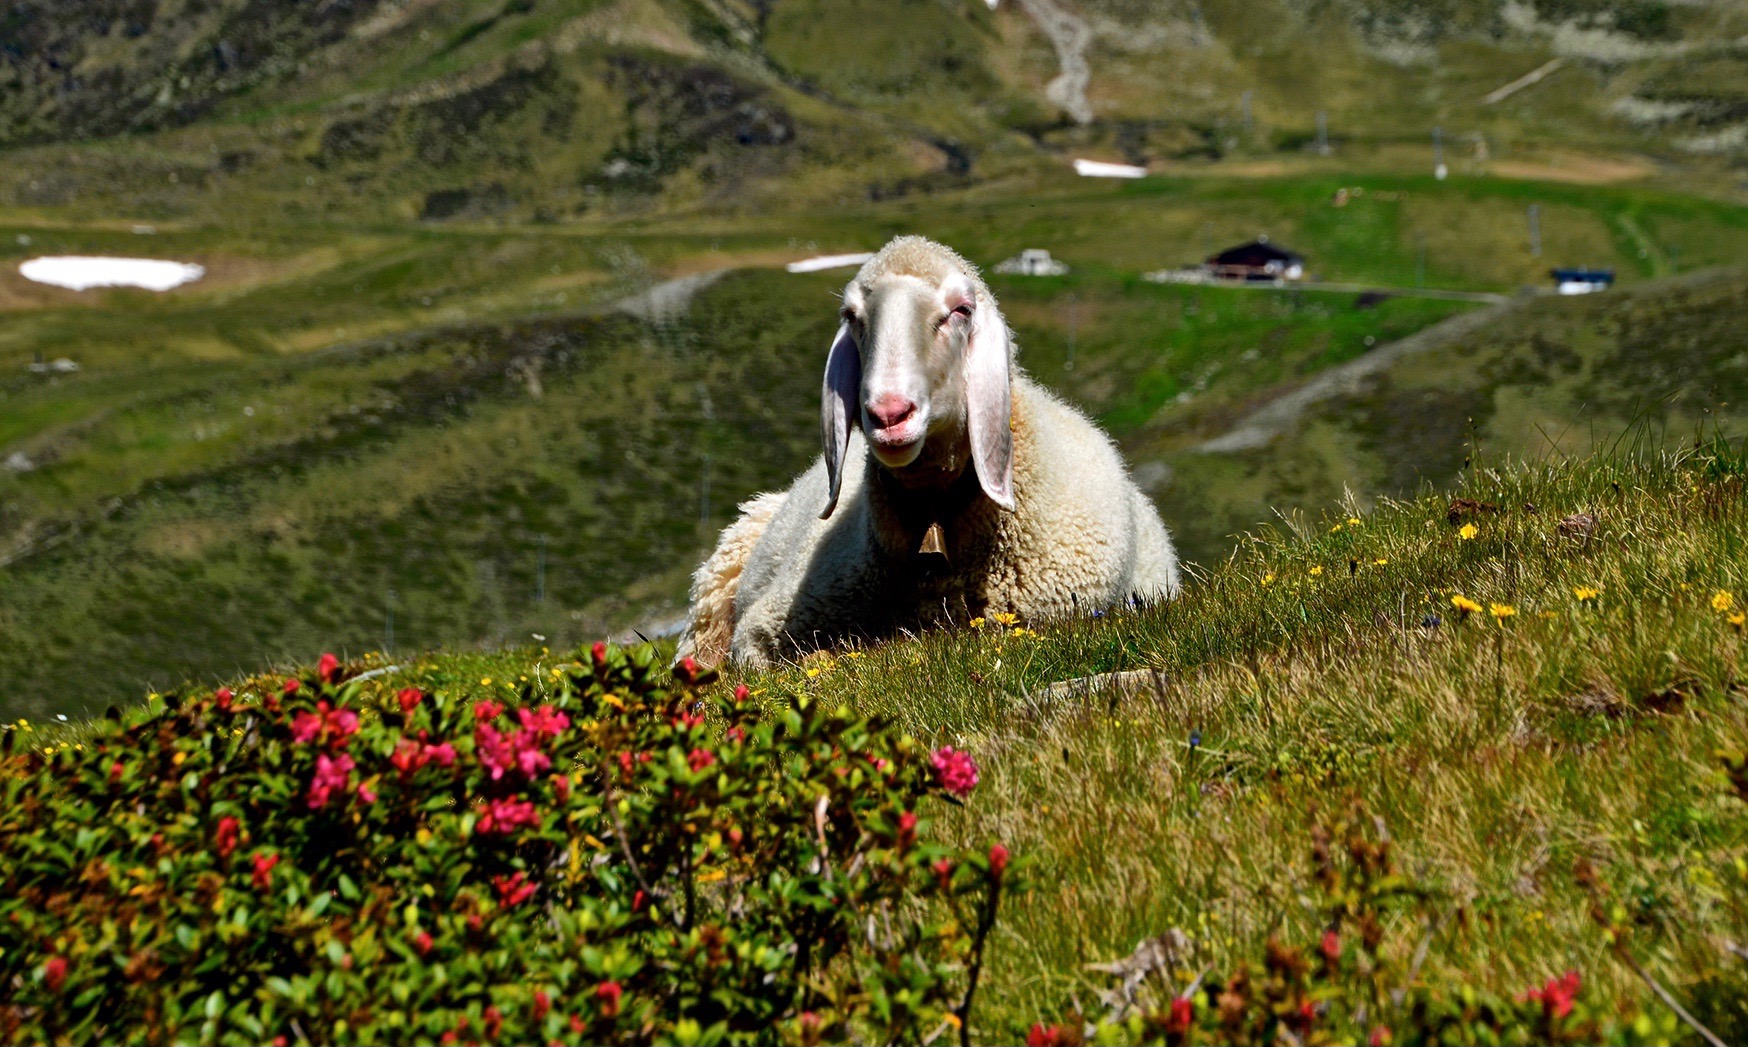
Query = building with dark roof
x=1257 y=260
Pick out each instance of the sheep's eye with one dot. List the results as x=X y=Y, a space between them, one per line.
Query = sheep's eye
x=963 y=309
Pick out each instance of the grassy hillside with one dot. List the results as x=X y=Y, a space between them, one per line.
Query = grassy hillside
x=551 y=110
x=1658 y=366
x=218 y=452
x=1568 y=724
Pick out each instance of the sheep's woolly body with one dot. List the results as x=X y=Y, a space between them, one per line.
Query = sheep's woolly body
x=710 y=622
x=1082 y=537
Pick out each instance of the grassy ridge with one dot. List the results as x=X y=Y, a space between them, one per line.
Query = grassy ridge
x=1498 y=747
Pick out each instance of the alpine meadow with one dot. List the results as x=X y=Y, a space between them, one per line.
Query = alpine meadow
x=375 y=375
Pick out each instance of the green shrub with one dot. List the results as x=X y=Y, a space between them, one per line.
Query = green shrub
x=623 y=858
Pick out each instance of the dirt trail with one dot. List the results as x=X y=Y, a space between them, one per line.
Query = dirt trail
x=1278 y=415
x=669 y=300
x=1070 y=35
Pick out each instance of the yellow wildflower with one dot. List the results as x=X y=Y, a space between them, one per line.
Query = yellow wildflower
x=1315 y=571
x=1354 y=521
x=978 y=623
x=485 y=681
x=1501 y=610
x=1464 y=604
x=1469 y=531
x=1739 y=619
x=1269 y=578
x=1006 y=619
x=1380 y=561
x=1722 y=601
x=1586 y=592
x=1335 y=529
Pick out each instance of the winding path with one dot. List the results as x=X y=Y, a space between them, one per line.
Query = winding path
x=1070 y=35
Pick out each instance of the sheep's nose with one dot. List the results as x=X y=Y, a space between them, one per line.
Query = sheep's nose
x=890 y=410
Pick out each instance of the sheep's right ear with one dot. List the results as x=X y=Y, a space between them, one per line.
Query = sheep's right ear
x=839 y=408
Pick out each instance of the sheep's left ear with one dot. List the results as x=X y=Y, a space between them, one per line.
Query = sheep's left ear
x=839 y=409
x=989 y=403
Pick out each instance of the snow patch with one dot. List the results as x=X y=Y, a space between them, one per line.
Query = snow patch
x=1100 y=169
x=80 y=273
x=827 y=261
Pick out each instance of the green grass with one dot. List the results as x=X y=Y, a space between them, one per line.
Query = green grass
x=1328 y=669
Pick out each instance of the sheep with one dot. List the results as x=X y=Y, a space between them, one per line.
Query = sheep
x=952 y=486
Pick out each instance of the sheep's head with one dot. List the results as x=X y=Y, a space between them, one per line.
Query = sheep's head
x=921 y=364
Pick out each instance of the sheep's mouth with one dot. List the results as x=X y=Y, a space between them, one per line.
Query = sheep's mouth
x=898 y=445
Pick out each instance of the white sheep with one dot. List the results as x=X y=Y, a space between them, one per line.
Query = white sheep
x=952 y=486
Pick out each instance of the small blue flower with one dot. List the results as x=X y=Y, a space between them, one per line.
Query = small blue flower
x=1098 y=614
x=1195 y=739
x=1431 y=621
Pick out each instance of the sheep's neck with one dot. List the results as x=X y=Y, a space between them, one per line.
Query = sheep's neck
x=925 y=510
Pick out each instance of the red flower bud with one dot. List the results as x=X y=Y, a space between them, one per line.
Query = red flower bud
x=222 y=699
x=1331 y=946
x=687 y=669
x=578 y=1026
x=741 y=692
x=115 y=770
x=998 y=861
x=698 y=759
x=1043 y=1035
x=484 y=711
x=542 y=1004
x=1182 y=1014
x=607 y=995
x=906 y=829
x=943 y=872
x=598 y=654
x=423 y=943
x=409 y=697
x=263 y=870
x=226 y=837
x=291 y=687
x=639 y=900
x=328 y=668
x=493 y=1020
x=54 y=973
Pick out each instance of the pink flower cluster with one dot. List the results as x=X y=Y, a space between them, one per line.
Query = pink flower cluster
x=519 y=750
x=957 y=770
x=324 y=726
x=334 y=776
x=512 y=890
x=504 y=817
x=411 y=754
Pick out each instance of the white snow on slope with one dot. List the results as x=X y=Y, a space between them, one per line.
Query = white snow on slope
x=80 y=273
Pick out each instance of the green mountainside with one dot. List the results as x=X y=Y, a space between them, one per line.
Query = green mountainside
x=404 y=408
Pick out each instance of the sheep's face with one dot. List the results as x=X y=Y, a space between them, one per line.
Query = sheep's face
x=911 y=338
x=922 y=367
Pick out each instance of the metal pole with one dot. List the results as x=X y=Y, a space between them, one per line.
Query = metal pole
x=1439 y=171
x=1073 y=316
x=1322 y=133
